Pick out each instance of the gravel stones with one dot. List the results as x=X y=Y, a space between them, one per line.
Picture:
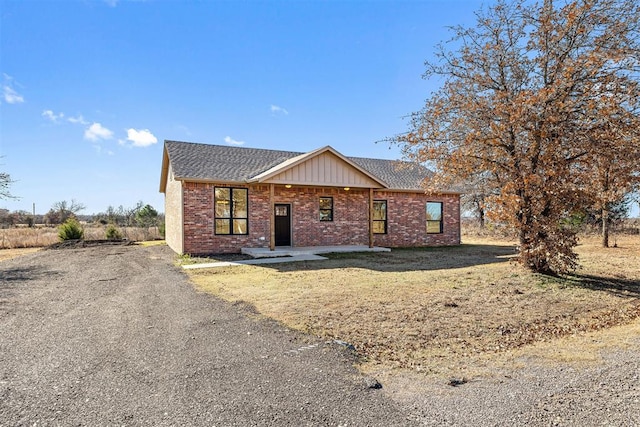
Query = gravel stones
x=115 y=335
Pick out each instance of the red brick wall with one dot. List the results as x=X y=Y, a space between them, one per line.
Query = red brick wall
x=405 y=212
x=350 y=216
x=407 y=220
x=199 y=237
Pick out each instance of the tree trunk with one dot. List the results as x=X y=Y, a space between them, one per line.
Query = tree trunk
x=605 y=228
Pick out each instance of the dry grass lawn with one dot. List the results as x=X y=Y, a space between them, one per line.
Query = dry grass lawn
x=14 y=253
x=439 y=310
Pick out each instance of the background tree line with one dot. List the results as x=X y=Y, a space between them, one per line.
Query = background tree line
x=141 y=215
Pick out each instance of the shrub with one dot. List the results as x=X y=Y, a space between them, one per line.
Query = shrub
x=70 y=230
x=113 y=233
x=147 y=217
x=162 y=229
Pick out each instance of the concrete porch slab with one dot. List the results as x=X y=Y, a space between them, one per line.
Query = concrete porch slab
x=282 y=251
x=307 y=257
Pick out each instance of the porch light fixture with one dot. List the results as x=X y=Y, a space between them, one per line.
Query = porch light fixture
x=346 y=189
x=288 y=186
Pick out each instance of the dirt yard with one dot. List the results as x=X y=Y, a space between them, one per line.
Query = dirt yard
x=117 y=335
x=443 y=311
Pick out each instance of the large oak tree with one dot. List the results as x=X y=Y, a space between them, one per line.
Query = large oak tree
x=542 y=100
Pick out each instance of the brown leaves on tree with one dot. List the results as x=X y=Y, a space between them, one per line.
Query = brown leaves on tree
x=543 y=103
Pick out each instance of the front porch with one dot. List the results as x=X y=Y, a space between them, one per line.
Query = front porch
x=288 y=251
x=286 y=254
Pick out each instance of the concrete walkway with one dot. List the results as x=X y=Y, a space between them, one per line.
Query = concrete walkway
x=279 y=260
x=286 y=254
x=289 y=251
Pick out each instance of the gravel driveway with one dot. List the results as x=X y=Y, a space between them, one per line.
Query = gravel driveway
x=115 y=335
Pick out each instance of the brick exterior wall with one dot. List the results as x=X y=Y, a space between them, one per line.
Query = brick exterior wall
x=406 y=215
x=350 y=216
x=407 y=220
x=199 y=236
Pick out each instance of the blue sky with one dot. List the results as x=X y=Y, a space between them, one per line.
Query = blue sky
x=92 y=88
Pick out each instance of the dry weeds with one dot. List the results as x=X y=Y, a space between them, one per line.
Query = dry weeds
x=6 y=254
x=440 y=310
x=36 y=237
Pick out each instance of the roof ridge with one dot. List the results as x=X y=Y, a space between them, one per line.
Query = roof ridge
x=234 y=147
x=385 y=160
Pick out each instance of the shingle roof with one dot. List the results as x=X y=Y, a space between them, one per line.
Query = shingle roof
x=399 y=175
x=206 y=162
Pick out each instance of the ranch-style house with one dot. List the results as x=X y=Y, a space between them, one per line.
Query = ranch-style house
x=220 y=199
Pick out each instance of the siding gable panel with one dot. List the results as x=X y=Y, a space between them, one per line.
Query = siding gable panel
x=326 y=170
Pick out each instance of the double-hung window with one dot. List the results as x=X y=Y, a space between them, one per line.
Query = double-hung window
x=434 y=217
x=379 y=217
x=231 y=210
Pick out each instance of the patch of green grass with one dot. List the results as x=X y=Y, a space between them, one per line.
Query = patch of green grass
x=184 y=259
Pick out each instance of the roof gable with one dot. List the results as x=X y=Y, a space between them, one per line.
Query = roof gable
x=322 y=167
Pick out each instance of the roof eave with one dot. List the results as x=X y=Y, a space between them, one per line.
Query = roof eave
x=419 y=190
x=164 y=173
x=209 y=181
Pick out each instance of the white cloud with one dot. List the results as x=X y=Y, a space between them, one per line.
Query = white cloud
x=96 y=131
x=232 y=141
x=77 y=120
x=278 y=110
x=9 y=94
x=140 y=138
x=111 y=3
x=56 y=118
x=49 y=114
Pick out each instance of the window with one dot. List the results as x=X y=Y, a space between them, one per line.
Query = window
x=434 y=217
x=326 y=208
x=379 y=217
x=231 y=209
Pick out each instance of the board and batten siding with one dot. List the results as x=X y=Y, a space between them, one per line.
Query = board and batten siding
x=325 y=170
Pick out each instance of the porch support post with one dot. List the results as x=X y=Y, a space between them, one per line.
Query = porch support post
x=371 y=217
x=272 y=219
